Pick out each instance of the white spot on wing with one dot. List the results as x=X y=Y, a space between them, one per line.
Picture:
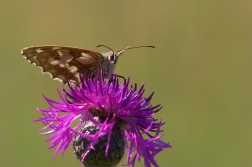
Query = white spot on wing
x=85 y=55
x=64 y=51
x=73 y=69
x=65 y=57
x=43 y=54
x=86 y=59
x=64 y=65
x=55 y=62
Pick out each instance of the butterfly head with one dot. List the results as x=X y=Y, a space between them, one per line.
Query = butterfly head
x=113 y=58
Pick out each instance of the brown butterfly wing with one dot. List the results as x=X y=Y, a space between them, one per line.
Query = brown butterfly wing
x=64 y=63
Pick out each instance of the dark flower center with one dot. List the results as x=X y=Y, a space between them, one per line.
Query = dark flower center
x=96 y=157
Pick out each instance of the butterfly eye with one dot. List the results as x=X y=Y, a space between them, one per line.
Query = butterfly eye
x=113 y=59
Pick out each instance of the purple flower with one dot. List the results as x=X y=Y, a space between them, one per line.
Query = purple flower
x=102 y=118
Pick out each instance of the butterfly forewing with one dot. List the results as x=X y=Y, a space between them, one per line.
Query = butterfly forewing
x=64 y=63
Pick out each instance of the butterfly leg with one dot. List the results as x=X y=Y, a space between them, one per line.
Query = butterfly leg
x=119 y=76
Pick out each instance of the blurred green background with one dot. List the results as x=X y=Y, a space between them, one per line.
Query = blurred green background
x=200 y=72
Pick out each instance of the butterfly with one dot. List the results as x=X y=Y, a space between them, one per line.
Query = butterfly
x=65 y=63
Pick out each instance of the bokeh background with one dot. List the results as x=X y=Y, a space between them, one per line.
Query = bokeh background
x=200 y=72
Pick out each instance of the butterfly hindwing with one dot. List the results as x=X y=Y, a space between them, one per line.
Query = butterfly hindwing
x=64 y=63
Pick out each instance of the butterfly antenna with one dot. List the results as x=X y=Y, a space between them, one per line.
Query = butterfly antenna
x=106 y=47
x=140 y=47
x=123 y=50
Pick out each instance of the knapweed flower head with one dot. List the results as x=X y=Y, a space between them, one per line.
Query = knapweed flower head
x=103 y=119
